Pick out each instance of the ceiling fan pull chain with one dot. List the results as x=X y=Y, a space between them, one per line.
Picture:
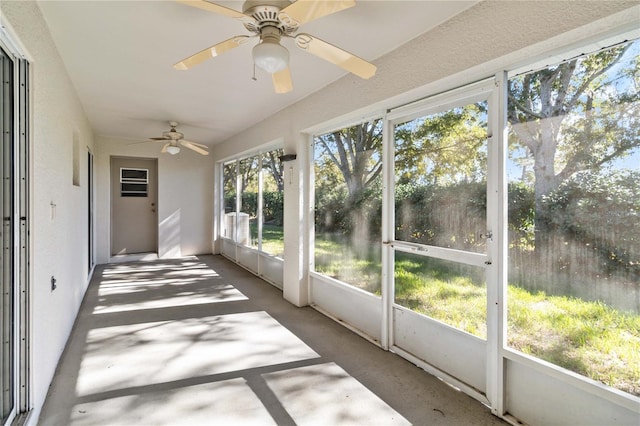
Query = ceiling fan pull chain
x=254 y=73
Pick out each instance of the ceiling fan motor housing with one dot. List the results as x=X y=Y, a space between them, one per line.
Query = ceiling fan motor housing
x=266 y=13
x=173 y=134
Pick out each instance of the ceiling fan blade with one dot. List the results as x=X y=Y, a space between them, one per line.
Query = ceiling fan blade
x=211 y=52
x=335 y=55
x=196 y=144
x=156 y=139
x=303 y=11
x=282 y=81
x=220 y=10
x=194 y=147
x=164 y=148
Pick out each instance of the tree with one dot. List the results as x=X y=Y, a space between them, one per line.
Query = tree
x=271 y=162
x=577 y=116
x=443 y=148
x=356 y=151
x=248 y=173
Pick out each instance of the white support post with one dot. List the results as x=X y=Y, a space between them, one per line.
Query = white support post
x=497 y=220
x=388 y=209
x=218 y=207
x=238 y=208
x=296 y=254
x=260 y=204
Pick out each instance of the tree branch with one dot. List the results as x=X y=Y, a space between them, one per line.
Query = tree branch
x=585 y=84
x=523 y=108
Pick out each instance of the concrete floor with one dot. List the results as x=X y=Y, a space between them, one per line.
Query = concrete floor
x=200 y=340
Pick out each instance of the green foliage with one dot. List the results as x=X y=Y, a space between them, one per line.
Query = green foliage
x=272 y=206
x=521 y=216
x=273 y=171
x=603 y=212
x=443 y=148
x=578 y=116
x=592 y=222
x=249 y=203
x=229 y=179
x=442 y=215
x=246 y=173
x=419 y=211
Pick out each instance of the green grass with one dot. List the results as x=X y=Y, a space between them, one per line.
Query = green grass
x=360 y=268
x=273 y=240
x=431 y=287
x=589 y=338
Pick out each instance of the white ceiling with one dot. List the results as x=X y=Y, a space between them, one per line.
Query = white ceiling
x=119 y=55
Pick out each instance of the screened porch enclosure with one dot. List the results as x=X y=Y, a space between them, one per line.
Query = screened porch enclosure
x=253 y=200
x=489 y=234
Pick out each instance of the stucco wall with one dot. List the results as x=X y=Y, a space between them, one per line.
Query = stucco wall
x=60 y=238
x=185 y=197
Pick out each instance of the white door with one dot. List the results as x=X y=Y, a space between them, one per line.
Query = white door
x=134 y=205
x=439 y=241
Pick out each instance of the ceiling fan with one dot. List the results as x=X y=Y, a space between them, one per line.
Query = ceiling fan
x=271 y=20
x=174 y=139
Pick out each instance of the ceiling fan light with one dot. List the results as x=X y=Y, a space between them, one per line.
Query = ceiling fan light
x=173 y=150
x=271 y=57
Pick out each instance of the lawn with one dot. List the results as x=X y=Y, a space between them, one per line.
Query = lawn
x=272 y=238
x=589 y=338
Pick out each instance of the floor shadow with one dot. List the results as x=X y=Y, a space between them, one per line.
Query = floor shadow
x=193 y=340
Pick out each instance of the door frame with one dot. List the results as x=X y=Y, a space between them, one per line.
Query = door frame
x=20 y=213
x=91 y=216
x=111 y=199
x=485 y=90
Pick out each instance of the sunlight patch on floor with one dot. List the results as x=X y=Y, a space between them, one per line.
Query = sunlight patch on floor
x=163 y=294
x=325 y=394
x=124 y=356
x=228 y=402
x=166 y=285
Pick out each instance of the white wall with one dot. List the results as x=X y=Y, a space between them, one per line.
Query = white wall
x=59 y=243
x=185 y=197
